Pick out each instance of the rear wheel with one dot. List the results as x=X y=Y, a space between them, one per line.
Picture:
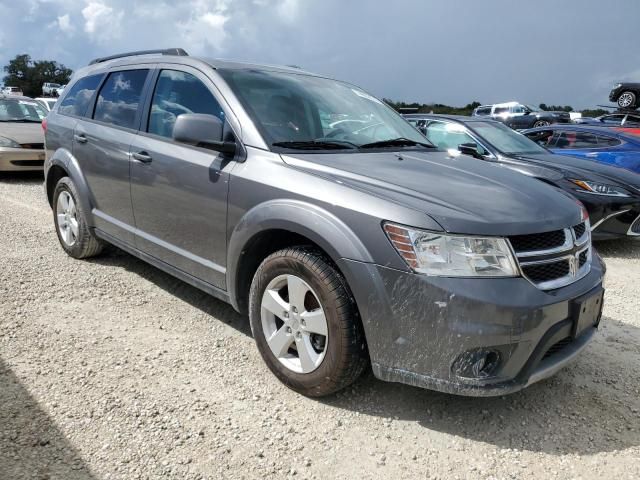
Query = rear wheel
x=305 y=322
x=627 y=100
x=541 y=123
x=74 y=234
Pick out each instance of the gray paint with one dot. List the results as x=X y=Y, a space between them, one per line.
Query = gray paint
x=192 y=212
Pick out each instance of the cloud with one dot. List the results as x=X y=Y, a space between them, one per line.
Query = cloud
x=64 y=23
x=102 y=22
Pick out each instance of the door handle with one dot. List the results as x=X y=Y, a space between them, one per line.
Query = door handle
x=80 y=138
x=143 y=157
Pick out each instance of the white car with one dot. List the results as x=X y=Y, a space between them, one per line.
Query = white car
x=50 y=89
x=58 y=91
x=12 y=91
x=47 y=102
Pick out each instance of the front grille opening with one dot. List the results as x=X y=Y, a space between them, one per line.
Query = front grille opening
x=537 y=241
x=33 y=146
x=27 y=163
x=557 y=347
x=582 y=259
x=579 y=230
x=546 y=272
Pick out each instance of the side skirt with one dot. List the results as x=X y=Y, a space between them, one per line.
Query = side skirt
x=185 y=277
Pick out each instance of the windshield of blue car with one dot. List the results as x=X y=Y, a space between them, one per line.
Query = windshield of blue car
x=21 y=111
x=299 y=111
x=506 y=140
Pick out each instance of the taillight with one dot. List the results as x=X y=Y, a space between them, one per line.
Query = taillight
x=44 y=124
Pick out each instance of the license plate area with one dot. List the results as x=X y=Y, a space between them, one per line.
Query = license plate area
x=586 y=311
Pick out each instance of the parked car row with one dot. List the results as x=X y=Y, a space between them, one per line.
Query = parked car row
x=519 y=116
x=347 y=236
x=611 y=195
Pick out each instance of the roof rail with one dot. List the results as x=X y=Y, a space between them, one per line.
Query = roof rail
x=179 y=52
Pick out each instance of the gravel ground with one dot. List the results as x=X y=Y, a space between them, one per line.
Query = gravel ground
x=111 y=369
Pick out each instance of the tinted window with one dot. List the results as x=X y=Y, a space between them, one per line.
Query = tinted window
x=483 y=111
x=576 y=140
x=119 y=98
x=518 y=109
x=613 y=119
x=499 y=110
x=177 y=93
x=77 y=100
x=632 y=121
x=447 y=136
x=608 y=141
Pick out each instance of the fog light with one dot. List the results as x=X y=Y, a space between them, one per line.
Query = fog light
x=477 y=364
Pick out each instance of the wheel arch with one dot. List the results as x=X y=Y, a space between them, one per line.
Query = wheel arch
x=278 y=224
x=64 y=164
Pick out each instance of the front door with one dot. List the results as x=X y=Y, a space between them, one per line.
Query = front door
x=179 y=192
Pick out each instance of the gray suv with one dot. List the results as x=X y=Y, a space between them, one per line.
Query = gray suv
x=312 y=206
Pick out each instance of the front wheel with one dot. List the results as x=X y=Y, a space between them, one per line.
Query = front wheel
x=541 y=123
x=305 y=322
x=627 y=100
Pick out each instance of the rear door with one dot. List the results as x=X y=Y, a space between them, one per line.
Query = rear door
x=101 y=146
x=179 y=191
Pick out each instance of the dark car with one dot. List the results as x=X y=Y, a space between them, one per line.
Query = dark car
x=611 y=195
x=618 y=147
x=625 y=95
x=611 y=120
x=520 y=116
x=346 y=243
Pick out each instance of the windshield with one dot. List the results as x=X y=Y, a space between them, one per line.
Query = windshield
x=21 y=111
x=532 y=108
x=505 y=139
x=292 y=110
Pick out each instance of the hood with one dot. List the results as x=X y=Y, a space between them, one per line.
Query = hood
x=463 y=194
x=22 y=132
x=588 y=169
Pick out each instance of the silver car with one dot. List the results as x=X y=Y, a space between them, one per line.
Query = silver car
x=21 y=135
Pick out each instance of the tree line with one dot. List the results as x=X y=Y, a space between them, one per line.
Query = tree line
x=29 y=74
x=439 y=108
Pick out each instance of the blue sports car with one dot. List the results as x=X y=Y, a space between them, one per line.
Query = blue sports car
x=613 y=146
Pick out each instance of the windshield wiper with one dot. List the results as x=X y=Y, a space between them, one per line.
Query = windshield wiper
x=396 y=142
x=315 y=145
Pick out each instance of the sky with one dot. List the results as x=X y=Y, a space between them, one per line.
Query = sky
x=567 y=52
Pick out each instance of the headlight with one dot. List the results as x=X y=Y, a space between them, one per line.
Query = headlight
x=601 y=188
x=617 y=85
x=452 y=255
x=7 y=142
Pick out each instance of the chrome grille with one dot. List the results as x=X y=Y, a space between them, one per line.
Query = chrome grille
x=554 y=259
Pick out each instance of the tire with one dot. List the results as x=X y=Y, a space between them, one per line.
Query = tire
x=627 y=100
x=541 y=123
x=78 y=241
x=342 y=357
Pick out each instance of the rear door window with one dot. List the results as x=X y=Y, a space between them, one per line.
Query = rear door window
x=608 y=141
x=77 y=99
x=576 y=140
x=500 y=110
x=118 y=102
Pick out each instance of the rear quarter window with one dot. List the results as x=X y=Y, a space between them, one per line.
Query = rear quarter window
x=77 y=99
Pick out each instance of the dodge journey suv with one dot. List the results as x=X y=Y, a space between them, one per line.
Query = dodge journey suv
x=312 y=206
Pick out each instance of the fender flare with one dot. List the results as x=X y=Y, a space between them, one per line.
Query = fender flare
x=65 y=160
x=313 y=222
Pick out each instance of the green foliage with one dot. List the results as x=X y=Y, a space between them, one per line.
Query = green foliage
x=594 y=113
x=431 y=107
x=29 y=74
x=555 y=108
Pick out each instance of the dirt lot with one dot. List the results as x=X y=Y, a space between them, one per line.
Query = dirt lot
x=111 y=369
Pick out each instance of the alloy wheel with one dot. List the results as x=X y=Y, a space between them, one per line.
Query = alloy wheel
x=67 y=216
x=625 y=100
x=294 y=323
x=541 y=123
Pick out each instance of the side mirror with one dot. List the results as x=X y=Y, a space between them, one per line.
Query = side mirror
x=472 y=149
x=202 y=130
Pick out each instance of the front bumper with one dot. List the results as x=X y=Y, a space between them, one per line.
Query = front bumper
x=611 y=217
x=417 y=327
x=21 y=159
